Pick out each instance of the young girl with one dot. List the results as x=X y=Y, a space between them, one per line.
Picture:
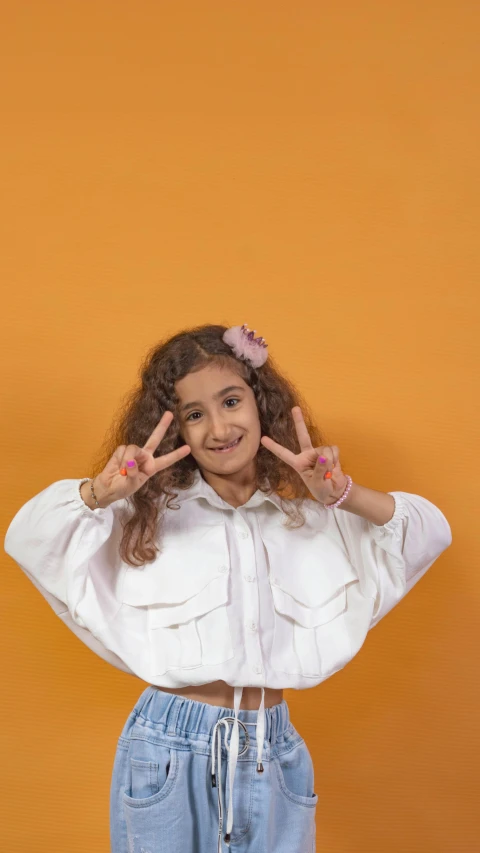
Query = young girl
x=220 y=554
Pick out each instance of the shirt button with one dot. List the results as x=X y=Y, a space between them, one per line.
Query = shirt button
x=252 y=626
x=243 y=534
x=257 y=668
x=223 y=569
x=249 y=578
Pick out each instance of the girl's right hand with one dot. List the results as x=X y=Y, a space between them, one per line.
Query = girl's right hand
x=111 y=485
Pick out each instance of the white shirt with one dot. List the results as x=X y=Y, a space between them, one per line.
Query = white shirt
x=232 y=594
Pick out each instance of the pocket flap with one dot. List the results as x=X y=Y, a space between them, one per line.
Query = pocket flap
x=181 y=571
x=310 y=571
x=211 y=596
x=309 y=615
x=314 y=583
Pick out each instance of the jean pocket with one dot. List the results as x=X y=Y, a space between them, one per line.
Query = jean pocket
x=152 y=770
x=295 y=774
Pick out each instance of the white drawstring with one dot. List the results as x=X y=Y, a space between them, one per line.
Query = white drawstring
x=232 y=747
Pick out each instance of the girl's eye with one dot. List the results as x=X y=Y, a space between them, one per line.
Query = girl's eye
x=227 y=401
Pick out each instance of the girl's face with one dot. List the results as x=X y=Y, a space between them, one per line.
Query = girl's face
x=212 y=414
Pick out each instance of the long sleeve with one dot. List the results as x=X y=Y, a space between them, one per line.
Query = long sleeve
x=54 y=538
x=391 y=558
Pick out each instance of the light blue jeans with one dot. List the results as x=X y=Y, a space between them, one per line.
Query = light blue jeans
x=162 y=799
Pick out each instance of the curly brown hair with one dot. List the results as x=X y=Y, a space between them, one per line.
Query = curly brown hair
x=166 y=363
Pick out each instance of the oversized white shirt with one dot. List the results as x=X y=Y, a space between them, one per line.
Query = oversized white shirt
x=232 y=594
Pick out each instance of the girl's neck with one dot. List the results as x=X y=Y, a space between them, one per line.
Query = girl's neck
x=235 y=490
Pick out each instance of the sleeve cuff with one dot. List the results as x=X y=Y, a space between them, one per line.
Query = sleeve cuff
x=395 y=525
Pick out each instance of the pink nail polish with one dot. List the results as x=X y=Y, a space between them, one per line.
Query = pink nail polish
x=131 y=464
x=322 y=459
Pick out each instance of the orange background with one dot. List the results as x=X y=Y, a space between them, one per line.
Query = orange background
x=310 y=169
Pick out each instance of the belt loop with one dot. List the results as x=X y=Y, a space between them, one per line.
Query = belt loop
x=175 y=711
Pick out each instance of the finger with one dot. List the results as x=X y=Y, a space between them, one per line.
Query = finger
x=326 y=466
x=335 y=454
x=131 y=458
x=302 y=431
x=155 y=438
x=162 y=462
x=324 y=452
x=332 y=454
x=118 y=455
x=282 y=452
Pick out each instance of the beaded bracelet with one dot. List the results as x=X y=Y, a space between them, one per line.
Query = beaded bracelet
x=345 y=494
x=91 y=489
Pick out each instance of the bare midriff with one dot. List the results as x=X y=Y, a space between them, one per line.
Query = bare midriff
x=220 y=693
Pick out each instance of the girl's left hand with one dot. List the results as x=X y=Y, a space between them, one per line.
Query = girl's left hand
x=306 y=463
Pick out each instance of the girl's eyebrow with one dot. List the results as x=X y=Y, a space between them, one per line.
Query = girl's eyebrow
x=215 y=396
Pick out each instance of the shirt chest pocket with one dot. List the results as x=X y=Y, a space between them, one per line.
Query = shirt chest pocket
x=311 y=636
x=186 y=602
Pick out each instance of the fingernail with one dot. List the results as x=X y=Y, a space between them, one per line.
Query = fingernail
x=328 y=475
x=131 y=464
x=123 y=472
x=322 y=459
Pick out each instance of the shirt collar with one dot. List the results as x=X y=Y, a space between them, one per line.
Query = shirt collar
x=202 y=489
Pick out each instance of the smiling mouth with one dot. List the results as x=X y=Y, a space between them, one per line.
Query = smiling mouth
x=228 y=447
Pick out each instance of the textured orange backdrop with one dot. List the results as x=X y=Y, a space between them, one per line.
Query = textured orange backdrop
x=310 y=169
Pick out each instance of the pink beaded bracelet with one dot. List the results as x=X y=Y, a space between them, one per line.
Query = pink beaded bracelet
x=345 y=494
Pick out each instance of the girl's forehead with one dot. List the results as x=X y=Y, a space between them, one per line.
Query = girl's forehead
x=208 y=381
x=209 y=377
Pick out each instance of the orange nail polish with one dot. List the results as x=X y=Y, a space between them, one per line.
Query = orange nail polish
x=123 y=472
x=328 y=475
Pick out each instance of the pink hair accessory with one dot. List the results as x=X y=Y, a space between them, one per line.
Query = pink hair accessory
x=245 y=345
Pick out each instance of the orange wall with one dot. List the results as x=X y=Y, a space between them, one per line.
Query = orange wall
x=308 y=168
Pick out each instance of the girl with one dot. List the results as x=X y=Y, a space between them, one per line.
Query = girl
x=220 y=554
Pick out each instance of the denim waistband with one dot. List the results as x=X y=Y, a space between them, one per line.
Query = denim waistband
x=178 y=715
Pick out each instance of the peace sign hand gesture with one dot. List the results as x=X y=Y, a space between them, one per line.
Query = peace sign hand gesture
x=131 y=466
x=326 y=481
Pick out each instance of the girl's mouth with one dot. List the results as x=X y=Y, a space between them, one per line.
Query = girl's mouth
x=229 y=447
